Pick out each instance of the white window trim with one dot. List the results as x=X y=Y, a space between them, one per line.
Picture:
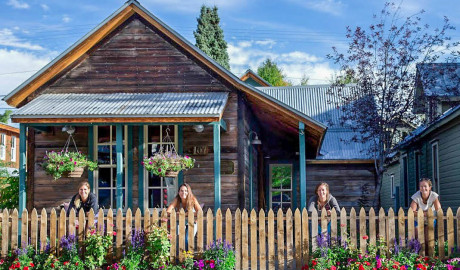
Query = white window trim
x=146 y=154
x=13 y=148
x=2 y=146
x=125 y=161
x=392 y=185
x=435 y=177
x=282 y=190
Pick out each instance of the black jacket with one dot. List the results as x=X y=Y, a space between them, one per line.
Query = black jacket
x=90 y=203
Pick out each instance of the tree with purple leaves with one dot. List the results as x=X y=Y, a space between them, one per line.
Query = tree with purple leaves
x=382 y=61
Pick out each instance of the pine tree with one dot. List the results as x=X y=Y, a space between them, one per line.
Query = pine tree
x=210 y=37
x=270 y=72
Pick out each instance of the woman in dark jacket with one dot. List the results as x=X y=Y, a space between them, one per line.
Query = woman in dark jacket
x=84 y=199
x=323 y=200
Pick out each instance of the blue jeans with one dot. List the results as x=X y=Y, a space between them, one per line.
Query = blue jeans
x=328 y=228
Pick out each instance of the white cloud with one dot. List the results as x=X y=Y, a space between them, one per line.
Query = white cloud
x=17 y=4
x=294 y=64
x=45 y=7
x=334 y=7
x=66 y=18
x=16 y=67
x=191 y=6
x=7 y=38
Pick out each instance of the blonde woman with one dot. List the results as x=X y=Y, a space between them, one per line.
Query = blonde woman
x=84 y=199
x=425 y=199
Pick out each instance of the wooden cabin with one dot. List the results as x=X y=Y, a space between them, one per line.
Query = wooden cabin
x=132 y=81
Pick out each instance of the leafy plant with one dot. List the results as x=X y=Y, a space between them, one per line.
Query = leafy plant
x=96 y=249
x=162 y=162
x=9 y=190
x=57 y=163
x=221 y=255
x=134 y=255
x=157 y=246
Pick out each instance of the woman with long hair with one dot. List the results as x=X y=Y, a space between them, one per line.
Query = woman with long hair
x=323 y=200
x=84 y=199
x=185 y=200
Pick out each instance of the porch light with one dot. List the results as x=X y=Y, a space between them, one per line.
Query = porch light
x=256 y=140
x=198 y=128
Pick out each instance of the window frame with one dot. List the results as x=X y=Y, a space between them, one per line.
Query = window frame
x=13 y=149
x=146 y=143
x=405 y=177
x=392 y=185
x=282 y=189
x=2 y=146
x=435 y=175
x=113 y=166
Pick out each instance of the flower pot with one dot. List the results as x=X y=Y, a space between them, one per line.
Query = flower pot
x=171 y=174
x=75 y=174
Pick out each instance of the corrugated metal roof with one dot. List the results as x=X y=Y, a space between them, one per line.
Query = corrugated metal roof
x=206 y=104
x=322 y=103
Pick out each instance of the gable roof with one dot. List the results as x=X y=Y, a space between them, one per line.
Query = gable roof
x=257 y=80
x=19 y=95
x=321 y=103
x=9 y=128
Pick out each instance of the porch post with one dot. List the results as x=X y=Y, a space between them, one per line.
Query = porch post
x=91 y=155
x=119 y=148
x=216 y=133
x=129 y=187
x=251 y=198
x=22 y=168
x=302 y=166
x=141 y=167
x=180 y=150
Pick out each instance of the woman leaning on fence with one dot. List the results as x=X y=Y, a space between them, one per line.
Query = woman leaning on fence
x=84 y=199
x=425 y=199
x=323 y=201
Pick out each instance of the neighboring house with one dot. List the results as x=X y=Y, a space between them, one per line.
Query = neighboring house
x=437 y=89
x=136 y=78
x=9 y=150
x=431 y=151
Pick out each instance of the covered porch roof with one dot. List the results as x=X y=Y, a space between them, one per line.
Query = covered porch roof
x=126 y=107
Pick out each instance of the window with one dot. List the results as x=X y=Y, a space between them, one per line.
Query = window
x=2 y=146
x=106 y=176
x=392 y=185
x=280 y=186
x=159 y=191
x=435 y=166
x=13 y=148
x=405 y=179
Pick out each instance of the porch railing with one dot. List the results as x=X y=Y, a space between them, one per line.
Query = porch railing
x=255 y=236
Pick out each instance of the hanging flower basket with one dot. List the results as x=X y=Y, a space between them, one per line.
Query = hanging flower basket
x=167 y=164
x=66 y=164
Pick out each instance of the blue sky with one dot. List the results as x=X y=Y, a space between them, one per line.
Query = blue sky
x=297 y=34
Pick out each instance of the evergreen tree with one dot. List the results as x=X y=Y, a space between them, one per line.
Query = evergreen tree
x=5 y=116
x=270 y=72
x=210 y=37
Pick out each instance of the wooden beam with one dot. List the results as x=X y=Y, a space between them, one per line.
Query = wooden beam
x=302 y=166
x=217 y=186
x=340 y=161
x=117 y=120
x=223 y=124
x=119 y=148
x=22 y=167
x=9 y=128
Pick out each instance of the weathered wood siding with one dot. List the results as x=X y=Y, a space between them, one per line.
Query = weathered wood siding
x=135 y=58
x=385 y=194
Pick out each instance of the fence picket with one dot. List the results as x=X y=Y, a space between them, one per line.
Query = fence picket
x=138 y=220
x=62 y=228
x=353 y=233
x=129 y=225
x=173 y=234
x=100 y=222
x=191 y=231
x=155 y=217
x=244 y=241
x=382 y=228
x=343 y=226
x=209 y=227
x=81 y=226
x=164 y=219
x=334 y=224
x=110 y=226
x=254 y=254
x=14 y=229
x=372 y=234
x=43 y=230
x=450 y=231
x=441 y=234
x=24 y=228
x=219 y=224
x=34 y=229
x=181 y=234
x=458 y=229
x=391 y=228
x=289 y=239
x=401 y=227
x=362 y=231
x=5 y=230
x=305 y=237
x=53 y=231
x=72 y=222
x=200 y=233
x=323 y=223
x=298 y=238
x=238 y=239
x=314 y=228
x=280 y=238
x=228 y=226
x=147 y=220
x=430 y=227
x=119 y=236
x=91 y=220
x=271 y=239
x=421 y=231
x=262 y=241
x=410 y=225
